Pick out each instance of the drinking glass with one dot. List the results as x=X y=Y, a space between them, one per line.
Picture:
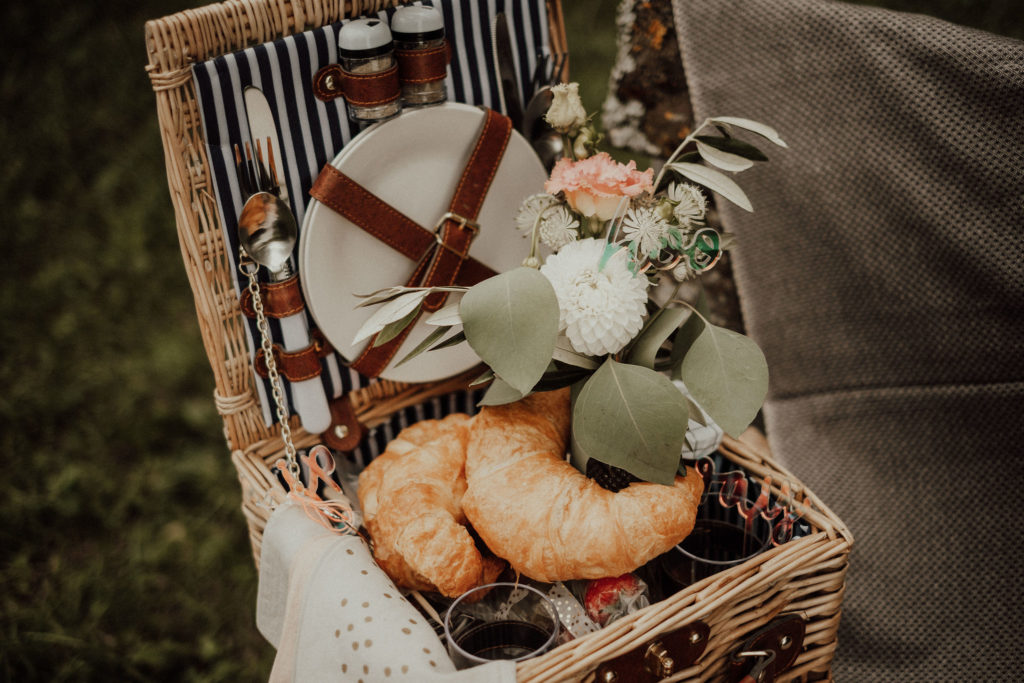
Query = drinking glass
x=500 y=621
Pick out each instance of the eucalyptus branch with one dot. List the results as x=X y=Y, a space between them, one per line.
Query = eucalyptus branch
x=692 y=137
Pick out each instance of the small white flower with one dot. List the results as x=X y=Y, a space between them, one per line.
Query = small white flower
x=601 y=307
x=531 y=208
x=643 y=224
x=690 y=203
x=566 y=113
x=558 y=227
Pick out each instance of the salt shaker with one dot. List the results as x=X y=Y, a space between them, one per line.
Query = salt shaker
x=422 y=53
x=367 y=57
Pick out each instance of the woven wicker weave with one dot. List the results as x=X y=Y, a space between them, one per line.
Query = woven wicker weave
x=804 y=576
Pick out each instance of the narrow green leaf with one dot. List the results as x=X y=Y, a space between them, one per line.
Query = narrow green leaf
x=727 y=374
x=511 y=322
x=631 y=417
x=425 y=344
x=448 y=316
x=393 y=329
x=485 y=377
x=500 y=393
x=563 y=353
x=659 y=328
x=390 y=312
x=714 y=181
x=723 y=160
x=753 y=126
x=733 y=146
x=456 y=338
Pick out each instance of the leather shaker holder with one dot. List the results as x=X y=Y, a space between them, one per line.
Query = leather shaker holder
x=366 y=90
x=280 y=299
x=360 y=90
x=296 y=366
x=423 y=66
x=346 y=431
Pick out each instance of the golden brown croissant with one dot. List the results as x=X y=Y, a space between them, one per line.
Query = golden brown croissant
x=549 y=520
x=410 y=497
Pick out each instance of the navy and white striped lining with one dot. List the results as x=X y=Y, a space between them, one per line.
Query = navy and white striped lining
x=313 y=132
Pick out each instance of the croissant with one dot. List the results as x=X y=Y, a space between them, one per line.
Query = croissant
x=546 y=518
x=410 y=496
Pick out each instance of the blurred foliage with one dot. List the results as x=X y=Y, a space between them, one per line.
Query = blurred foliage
x=124 y=553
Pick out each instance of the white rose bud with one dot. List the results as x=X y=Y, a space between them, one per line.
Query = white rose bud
x=566 y=113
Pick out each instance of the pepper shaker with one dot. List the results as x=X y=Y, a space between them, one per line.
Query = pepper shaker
x=422 y=53
x=366 y=55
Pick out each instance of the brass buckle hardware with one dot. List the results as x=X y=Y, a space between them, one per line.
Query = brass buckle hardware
x=464 y=223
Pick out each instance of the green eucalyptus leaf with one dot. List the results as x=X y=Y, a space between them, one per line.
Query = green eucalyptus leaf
x=727 y=374
x=427 y=342
x=500 y=393
x=511 y=321
x=723 y=160
x=733 y=146
x=395 y=310
x=714 y=181
x=683 y=340
x=753 y=126
x=393 y=329
x=631 y=417
x=659 y=328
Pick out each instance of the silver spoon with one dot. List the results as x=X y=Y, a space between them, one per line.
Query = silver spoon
x=267 y=231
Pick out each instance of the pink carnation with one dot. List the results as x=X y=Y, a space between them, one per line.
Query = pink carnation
x=595 y=186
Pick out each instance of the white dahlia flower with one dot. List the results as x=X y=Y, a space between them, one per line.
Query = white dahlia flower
x=601 y=309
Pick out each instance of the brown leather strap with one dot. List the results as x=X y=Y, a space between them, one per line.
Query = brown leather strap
x=280 y=299
x=360 y=90
x=423 y=66
x=348 y=198
x=300 y=365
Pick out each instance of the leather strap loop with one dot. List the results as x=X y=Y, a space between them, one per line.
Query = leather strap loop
x=280 y=299
x=360 y=90
x=346 y=431
x=300 y=365
x=423 y=66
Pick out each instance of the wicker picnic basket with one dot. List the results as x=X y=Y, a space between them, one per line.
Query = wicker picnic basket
x=803 y=578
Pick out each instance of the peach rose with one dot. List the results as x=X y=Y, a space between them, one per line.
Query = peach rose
x=595 y=186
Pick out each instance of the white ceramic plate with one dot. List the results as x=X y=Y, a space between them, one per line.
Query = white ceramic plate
x=414 y=163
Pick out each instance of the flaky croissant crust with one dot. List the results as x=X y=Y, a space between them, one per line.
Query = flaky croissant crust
x=546 y=518
x=411 y=500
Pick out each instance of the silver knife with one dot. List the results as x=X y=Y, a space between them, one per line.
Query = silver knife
x=308 y=395
x=505 y=68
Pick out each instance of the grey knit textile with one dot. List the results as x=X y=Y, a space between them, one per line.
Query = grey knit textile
x=882 y=273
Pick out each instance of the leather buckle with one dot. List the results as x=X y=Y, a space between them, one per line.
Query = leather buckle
x=464 y=223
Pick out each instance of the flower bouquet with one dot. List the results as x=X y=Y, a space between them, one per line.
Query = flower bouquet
x=595 y=304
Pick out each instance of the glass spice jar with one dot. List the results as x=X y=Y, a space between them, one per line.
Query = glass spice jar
x=365 y=48
x=419 y=28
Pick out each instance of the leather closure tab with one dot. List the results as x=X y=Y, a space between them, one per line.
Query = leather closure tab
x=781 y=639
x=423 y=66
x=346 y=431
x=661 y=657
x=296 y=366
x=360 y=90
x=280 y=299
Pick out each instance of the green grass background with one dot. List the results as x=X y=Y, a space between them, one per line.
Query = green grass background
x=123 y=555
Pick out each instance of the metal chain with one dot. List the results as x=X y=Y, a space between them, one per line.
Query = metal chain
x=249 y=268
